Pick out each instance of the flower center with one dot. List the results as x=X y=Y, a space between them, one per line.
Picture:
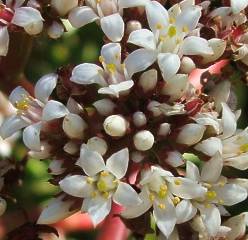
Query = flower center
x=22 y=104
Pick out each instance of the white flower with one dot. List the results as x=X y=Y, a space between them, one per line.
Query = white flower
x=162 y=191
x=102 y=183
x=113 y=77
x=220 y=192
x=63 y=7
x=31 y=112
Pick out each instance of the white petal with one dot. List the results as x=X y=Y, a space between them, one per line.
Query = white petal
x=143 y=38
x=238 y=6
x=117 y=164
x=185 y=211
x=111 y=53
x=14 y=3
x=192 y=171
x=77 y=186
x=17 y=95
x=31 y=137
x=196 y=46
x=45 y=86
x=139 y=60
x=87 y=73
x=54 y=110
x=56 y=210
x=73 y=106
x=228 y=121
x=11 y=125
x=81 y=16
x=136 y=211
x=239 y=162
x=104 y=106
x=4 y=41
x=174 y=158
x=165 y=218
x=157 y=15
x=98 y=208
x=126 y=196
x=113 y=27
x=211 y=169
x=132 y=3
x=64 y=6
x=169 y=64
x=91 y=162
x=209 y=146
x=56 y=167
x=186 y=188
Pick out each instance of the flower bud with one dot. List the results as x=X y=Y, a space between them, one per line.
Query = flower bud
x=115 y=126
x=153 y=107
x=71 y=148
x=175 y=159
x=105 y=107
x=44 y=153
x=55 y=167
x=97 y=144
x=34 y=28
x=143 y=140
x=55 y=30
x=187 y=65
x=164 y=129
x=64 y=6
x=139 y=119
x=133 y=25
x=148 y=80
x=137 y=156
x=3 y=206
x=74 y=126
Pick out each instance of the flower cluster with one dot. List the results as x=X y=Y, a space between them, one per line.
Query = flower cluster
x=121 y=130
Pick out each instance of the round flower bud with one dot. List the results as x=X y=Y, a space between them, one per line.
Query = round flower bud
x=137 y=156
x=74 y=126
x=143 y=140
x=115 y=126
x=164 y=129
x=71 y=148
x=139 y=119
x=3 y=206
x=148 y=80
x=105 y=107
x=133 y=25
x=34 y=28
x=153 y=107
x=97 y=144
x=187 y=65
x=55 y=30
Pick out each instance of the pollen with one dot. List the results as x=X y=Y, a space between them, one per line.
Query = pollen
x=104 y=174
x=159 y=26
x=22 y=105
x=162 y=206
x=243 y=148
x=176 y=200
x=172 y=32
x=211 y=195
x=101 y=59
x=102 y=186
x=172 y=20
x=111 y=68
x=151 y=197
x=105 y=195
x=178 y=182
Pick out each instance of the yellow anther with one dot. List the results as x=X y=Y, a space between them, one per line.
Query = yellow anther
x=220 y=201
x=207 y=185
x=161 y=205
x=176 y=200
x=90 y=180
x=151 y=197
x=105 y=195
x=207 y=205
x=211 y=195
x=101 y=59
x=163 y=187
x=162 y=194
x=159 y=26
x=243 y=148
x=116 y=181
x=177 y=182
x=102 y=186
x=172 y=20
x=111 y=67
x=104 y=174
x=162 y=38
x=172 y=32
x=22 y=104
x=94 y=194
x=185 y=29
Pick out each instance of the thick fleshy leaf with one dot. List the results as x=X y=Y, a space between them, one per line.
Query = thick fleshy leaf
x=91 y=162
x=98 y=208
x=238 y=6
x=31 y=136
x=210 y=146
x=57 y=209
x=192 y=171
x=169 y=64
x=77 y=186
x=4 y=41
x=196 y=46
x=165 y=218
x=117 y=164
x=185 y=211
x=11 y=125
x=139 y=60
x=143 y=38
x=81 y=16
x=45 y=86
x=18 y=94
x=211 y=169
x=87 y=73
x=131 y=3
x=113 y=27
x=157 y=16
x=136 y=211
x=54 y=110
x=126 y=196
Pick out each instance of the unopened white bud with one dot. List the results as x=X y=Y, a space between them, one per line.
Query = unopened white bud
x=139 y=119
x=133 y=25
x=64 y=6
x=34 y=28
x=44 y=153
x=74 y=126
x=105 y=106
x=187 y=65
x=71 y=148
x=175 y=159
x=56 y=30
x=97 y=144
x=3 y=206
x=153 y=107
x=164 y=129
x=148 y=80
x=115 y=126
x=191 y=134
x=137 y=156
x=143 y=140
x=56 y=167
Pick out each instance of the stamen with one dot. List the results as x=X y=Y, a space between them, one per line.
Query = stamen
x=211 y=195
x=90 y=180
x=111 y=68
x=178 y=182
x=102 y=186
x=162 y=206
x=105 y=195
x=172 y=20
x=151 y=197
x=176 y=200
x=159 y=26
x=101 y=59
x=172 y=31
x=104 y=174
